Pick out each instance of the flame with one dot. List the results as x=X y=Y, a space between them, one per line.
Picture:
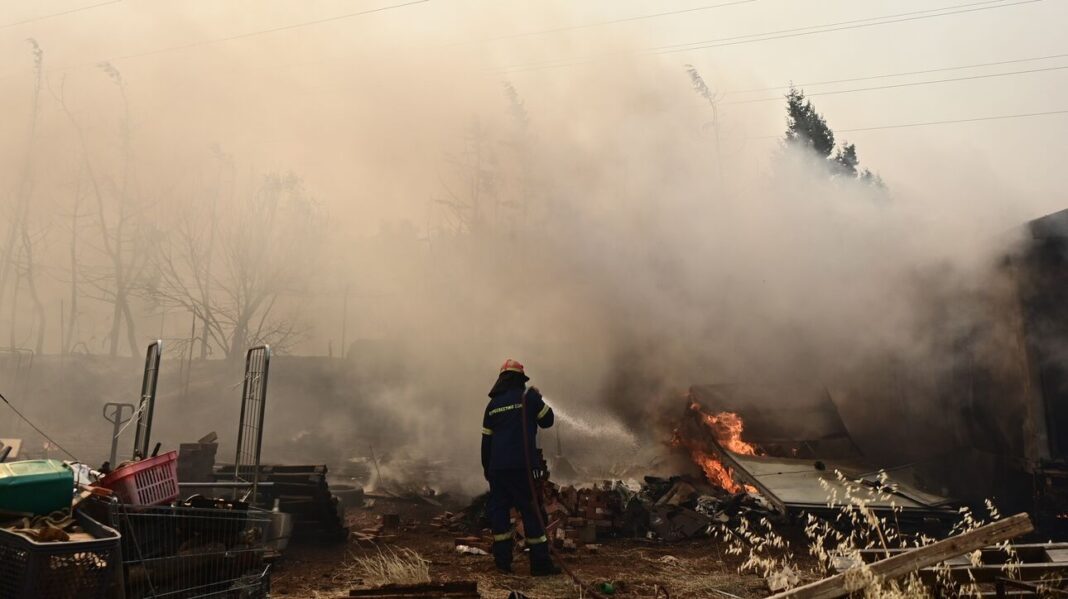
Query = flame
x=715 y=471
x=726 y=428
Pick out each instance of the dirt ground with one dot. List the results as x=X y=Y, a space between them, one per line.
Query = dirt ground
x=693 y=569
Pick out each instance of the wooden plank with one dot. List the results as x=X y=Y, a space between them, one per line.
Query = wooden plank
x=904 y=563
x=1027 y=552
x=428 y=595
x=456 y=589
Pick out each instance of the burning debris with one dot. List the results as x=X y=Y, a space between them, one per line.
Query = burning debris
x=797 y=463
x=726 y=429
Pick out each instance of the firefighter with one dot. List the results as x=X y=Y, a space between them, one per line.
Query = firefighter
x=507 y=466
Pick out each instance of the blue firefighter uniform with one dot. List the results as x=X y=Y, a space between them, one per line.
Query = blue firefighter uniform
x=505 y=465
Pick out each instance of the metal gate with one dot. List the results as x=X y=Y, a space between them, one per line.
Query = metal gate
x=145 y=408
x=250 y=425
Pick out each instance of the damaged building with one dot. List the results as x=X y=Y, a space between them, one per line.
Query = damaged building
x=992 y=424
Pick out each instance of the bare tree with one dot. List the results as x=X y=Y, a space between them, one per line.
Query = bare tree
x=231 y=265
x=27 y=269
x=476 y=173
x=225 y=166
x=124 y=236
x=70 y=327
x=18 y=241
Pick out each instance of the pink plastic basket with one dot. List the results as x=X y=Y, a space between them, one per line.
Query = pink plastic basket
x=153 y=481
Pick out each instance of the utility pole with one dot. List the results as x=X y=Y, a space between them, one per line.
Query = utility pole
x=344 y=321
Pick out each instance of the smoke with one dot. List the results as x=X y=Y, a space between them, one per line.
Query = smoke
x=594 y=222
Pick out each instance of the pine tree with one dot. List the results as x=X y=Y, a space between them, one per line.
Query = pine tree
x=846 y=157
x=805 y=126
x=808 y=129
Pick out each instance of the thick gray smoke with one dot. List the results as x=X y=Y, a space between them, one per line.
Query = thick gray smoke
x=427 y=220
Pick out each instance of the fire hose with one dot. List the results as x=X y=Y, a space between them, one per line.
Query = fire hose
x=536 y=500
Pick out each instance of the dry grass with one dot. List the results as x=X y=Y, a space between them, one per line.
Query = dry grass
x=856 y=527
x=391 y=566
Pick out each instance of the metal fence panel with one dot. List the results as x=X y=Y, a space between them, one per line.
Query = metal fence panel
x=147 y=405
x=250 y=425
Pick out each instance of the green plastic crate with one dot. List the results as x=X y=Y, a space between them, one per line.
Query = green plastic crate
x=35 y=486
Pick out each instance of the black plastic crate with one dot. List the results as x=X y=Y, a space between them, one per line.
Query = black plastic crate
x=61 y=570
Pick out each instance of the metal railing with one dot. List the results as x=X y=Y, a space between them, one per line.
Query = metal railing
x=147 y=404
x=250 y=424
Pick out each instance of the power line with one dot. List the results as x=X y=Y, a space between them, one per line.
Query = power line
x=34 y=427
x=789 y=33
x=984 y=4
x=916 y=15
x=998 y=117
x=59 y=14
x=907 y=84
x=525 y=33
x=614 y=21
x=951 y=121
x=499 y=38
x=901 y=74
x=246 y=34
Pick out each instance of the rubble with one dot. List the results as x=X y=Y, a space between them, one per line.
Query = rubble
x=387 y=527
x=196 y=460
x=469 y=550
x=660 y=509
x=303 y=492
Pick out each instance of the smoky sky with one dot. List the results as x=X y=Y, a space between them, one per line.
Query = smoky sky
x=598 y=221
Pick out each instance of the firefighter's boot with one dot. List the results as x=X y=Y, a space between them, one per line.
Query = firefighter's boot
x=540 y=562
x=502 y=555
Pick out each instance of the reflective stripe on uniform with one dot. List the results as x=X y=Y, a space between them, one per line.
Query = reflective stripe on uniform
x=487 y=431
x=544 y=411
x=504 y=536
x=537 y=540
x=514 y=406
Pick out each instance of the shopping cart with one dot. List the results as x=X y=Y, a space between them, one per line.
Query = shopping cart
x=192 y=552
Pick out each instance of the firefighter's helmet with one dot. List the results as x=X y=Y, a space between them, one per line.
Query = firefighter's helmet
x=511 y=365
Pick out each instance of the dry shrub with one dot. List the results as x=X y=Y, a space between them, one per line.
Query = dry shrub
x=394 y=567
x=856 y=527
